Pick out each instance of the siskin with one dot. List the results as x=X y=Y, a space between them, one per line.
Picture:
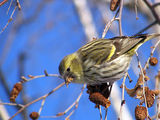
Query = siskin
x=102 y=60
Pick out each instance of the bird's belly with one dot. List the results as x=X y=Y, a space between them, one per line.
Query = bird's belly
x=108 y=72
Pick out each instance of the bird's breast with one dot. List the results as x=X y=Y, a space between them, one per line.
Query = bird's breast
x=108 y=71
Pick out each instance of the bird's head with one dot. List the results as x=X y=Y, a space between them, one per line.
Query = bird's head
x=70 y=69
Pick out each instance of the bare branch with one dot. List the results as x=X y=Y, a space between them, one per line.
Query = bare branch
x=154 y=48
x=74 y=104
x=24 y=79
x=100 y=112
x=38 y=99
x=10 y=19
x=3 y=2
x=123 y=100
x=142 y=73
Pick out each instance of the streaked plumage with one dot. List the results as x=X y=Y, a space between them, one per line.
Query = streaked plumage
x=102 y=60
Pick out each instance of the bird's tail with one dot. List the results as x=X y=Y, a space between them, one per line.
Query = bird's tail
x=150 y=36
x=140 y=40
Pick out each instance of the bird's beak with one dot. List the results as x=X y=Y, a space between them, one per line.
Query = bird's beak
x=66 y=83
x=68 y=80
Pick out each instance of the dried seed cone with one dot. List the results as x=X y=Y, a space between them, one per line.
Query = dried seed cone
x=34 y=115
x=140 y=113
x=103 y=89
x=18 y=86
x=99 y=99
x=15 y=91
x=153 y=61
x=140 y=79
x=114 y=4
x=150 y=97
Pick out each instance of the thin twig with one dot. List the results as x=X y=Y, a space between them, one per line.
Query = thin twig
x=10 y=19
x=100 y=112
x=123 y=101
x=7 y=90
x=135 y=6
x=157 y=87
x=106 y=15
x=154 y=13
x=9 y=6
x=24 y=79
x=76 y=106
x=153 y=50
x=120 y=18
x=13 y=104
x=38 y=99
x=106 y=114
x=3 y=2
x=130 y=80
x=108 y=25
x=77 y=100
x=18 y=4
x=42 y=104
x=75 y=103
x=139 y=64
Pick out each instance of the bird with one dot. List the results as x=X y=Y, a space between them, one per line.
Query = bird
x=101 y=60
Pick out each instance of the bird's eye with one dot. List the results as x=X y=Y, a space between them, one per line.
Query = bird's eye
x=68 y=69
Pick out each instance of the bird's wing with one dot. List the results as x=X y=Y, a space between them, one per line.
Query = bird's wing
x=129 y=45
x=105 y=50
x=125 y=44
x=97 y=51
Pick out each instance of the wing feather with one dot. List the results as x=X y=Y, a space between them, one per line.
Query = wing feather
x=105 y=50
x=98 y=51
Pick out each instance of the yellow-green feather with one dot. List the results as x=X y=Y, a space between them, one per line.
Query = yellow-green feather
x=113 y=49
x=68 y=60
